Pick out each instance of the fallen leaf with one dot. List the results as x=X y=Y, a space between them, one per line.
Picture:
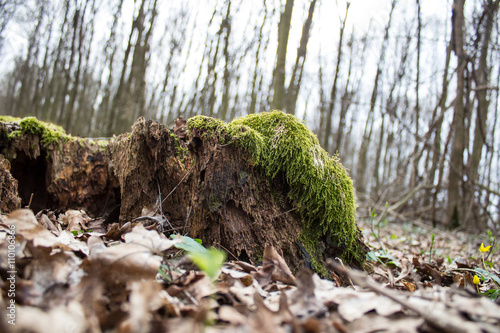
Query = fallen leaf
x=274 y=268
x=30 y=229
x=75 y=220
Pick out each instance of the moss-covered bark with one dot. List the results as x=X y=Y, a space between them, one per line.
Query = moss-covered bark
x=54 y=169
x=319 y=185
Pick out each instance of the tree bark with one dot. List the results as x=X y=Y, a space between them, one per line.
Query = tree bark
x=482 y=80
x=455 y=175
x=209 y=189
x=333 y=94
x=361 y=184
x=65 y=173
x=278 y=101
x=296 y=77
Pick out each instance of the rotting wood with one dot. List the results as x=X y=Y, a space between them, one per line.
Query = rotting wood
x=55 y=170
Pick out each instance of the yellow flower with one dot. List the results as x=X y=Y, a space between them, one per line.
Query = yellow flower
x=482 y=248
x=476 y=279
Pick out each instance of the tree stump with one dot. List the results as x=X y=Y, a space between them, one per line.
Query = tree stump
x=9 y=198
x=262 y=179
x=214 y=185
x=55 y=170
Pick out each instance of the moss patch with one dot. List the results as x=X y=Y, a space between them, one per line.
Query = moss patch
x=319 y=184
x=48 y=132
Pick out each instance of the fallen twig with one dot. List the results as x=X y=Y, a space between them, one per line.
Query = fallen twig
x=437 y=318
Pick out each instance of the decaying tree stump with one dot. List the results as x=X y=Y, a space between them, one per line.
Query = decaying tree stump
x=214 y=185
x=149 y=163
x=262 y=179
x=9 y=198
x=54 y=170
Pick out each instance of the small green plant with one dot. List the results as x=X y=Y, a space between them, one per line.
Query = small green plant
x=378 y=223
x=384 y=257
x=209 y=261
x=432 y=245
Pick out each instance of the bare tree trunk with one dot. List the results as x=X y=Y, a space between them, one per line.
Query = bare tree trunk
x=208 y=106
x=7 y=11
x=416 y=159
x=391 y=111
x=76 y=81
x=482 y=81
x=333 y=94
x=67 y=77
x=436 y=145
x=118 y=102
x=278 y=101
x=296 y=77
x=42 y=80
x=345 y=101
x=362 y=156
x=27 y=74
x=226 y=24
x=253 y=94
x=456 y=172
x=105 y=110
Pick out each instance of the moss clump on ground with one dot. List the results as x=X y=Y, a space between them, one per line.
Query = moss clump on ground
x=319 y=184
x=48 y=132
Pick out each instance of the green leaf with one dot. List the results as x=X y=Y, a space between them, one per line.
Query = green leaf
x=210 y=261
x=75 y=232
x=189 y=245
x=492 y=294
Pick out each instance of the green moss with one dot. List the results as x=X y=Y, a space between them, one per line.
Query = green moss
x=9 y=119
x=181 y=152
x=214 y=203
x=48 y=132
x=310 y=240
x=319 y=184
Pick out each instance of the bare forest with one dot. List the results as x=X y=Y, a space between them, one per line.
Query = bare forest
x=406 y=92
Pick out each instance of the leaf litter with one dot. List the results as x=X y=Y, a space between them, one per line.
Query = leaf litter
x=75 y=274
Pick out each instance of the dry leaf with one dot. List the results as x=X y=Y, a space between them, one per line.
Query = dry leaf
x=136 y=258
x=274 y=268
x=75 y=220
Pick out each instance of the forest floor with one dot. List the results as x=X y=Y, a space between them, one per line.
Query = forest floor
x=75 y=274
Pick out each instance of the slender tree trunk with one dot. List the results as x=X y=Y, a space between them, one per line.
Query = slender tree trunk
x=53 y=96
x=118 y=103
x=42 y=80
x=391 y=111
x=298 y=68
x=436 y=144
x=105 y=111
x=456 y=171
x=25 y=91
x=333 y=94
x=67 y=77
x=226 y=24
x=278 y=101
x=346 y=102
x=253 y=94
x=363 y=151
x=416 y=159
x=482 y=82
x=76 y=81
